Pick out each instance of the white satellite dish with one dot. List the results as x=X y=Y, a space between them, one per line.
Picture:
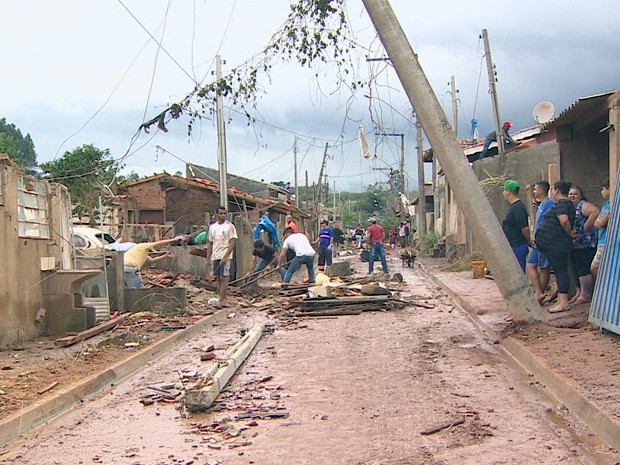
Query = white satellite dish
x=543 y=112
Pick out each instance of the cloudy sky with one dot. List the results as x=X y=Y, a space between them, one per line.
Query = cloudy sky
x=91 y=71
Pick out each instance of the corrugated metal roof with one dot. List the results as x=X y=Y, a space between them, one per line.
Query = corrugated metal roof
x=577 y=109
x=469 y=149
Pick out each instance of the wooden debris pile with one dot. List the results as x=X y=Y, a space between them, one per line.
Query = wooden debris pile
x=353 y=300
x=335 y=306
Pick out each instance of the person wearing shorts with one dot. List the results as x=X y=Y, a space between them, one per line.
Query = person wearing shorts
x=537 y=267
x=221 y=241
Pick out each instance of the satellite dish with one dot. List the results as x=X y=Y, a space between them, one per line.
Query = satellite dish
x=543 y=112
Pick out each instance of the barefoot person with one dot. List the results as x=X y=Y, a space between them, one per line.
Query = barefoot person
x=584 y=243
x=221 y=241
x=537 y=266
x=554 y=238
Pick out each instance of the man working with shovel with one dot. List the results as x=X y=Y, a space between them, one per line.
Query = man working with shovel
x=268 y=257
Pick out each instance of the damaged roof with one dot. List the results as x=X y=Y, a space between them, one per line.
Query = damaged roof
x=279 y=205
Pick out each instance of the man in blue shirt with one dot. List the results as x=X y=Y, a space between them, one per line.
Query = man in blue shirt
x=537 y=267
x=326 y=237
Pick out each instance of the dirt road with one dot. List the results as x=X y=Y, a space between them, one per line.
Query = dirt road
x=348 y=390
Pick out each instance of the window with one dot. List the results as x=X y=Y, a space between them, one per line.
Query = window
x=32 y=208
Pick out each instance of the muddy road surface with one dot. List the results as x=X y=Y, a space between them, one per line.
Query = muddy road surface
x=408 y=386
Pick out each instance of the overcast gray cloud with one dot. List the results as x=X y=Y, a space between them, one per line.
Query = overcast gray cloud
x=68 y=61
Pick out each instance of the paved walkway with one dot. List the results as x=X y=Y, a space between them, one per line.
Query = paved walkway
x=577 y=363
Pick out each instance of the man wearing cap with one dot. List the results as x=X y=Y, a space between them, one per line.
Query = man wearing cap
x=492 y=137
x=374 y=237
x=516 y=222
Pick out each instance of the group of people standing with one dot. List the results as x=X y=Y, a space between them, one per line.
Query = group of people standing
x=568 y=230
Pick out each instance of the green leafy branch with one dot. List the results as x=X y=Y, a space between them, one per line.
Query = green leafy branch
x=316 y=31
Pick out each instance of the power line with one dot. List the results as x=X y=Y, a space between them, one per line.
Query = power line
x=158 y=43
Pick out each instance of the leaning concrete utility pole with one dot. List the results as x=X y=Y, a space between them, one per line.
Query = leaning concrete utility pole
x=506 y=271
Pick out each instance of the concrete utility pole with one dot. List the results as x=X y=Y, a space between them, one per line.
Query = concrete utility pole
x=319 y=183
x=421 y=193
x=334 y=194
x=455 y=119
x=221 y=137
x=506 y=271
x=493 y=89
x=307 y=192
x=403 y=186
x=295 y=170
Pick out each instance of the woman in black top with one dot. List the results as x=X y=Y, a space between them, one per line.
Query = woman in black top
x=554 y=238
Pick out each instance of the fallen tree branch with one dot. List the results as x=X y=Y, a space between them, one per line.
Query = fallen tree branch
x=443 y=426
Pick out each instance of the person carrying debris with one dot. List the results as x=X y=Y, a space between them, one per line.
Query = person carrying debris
x=135 y=258
x=221 y=241
x=268 y=257
x=374 y=238
x=304 y=255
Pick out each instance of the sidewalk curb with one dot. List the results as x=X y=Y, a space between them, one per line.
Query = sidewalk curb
x=557 y=385
x=47 y=409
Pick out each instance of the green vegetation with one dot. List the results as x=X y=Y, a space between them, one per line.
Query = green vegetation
x=19 y=148
x=430 y=240
x=84 y=171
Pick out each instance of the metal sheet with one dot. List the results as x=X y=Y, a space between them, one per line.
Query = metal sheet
x=605 y=308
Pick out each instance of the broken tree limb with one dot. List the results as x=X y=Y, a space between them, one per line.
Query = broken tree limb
x=443 y=426
x=48 y=388
x=199 y=400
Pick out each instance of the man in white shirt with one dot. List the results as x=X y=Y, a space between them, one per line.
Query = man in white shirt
x=304 y=254
x=221 y=241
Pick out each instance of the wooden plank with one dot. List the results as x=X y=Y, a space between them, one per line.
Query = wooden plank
x=323 y=313
x=553 y=172
x=529 y=203
x=90 y=332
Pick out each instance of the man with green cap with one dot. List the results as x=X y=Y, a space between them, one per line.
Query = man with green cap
x=516 y=222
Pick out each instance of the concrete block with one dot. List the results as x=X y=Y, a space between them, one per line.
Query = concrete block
x=155 y=299
x=61 y=317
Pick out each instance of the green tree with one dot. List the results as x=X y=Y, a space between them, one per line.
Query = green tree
x=19 y=148
x=84 y=171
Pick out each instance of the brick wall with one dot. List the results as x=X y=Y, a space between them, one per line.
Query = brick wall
x=192 y=204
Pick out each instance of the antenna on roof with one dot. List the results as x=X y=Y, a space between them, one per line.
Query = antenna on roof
x=543 y=112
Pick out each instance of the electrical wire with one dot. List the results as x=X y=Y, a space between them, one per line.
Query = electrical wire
x=157 y=42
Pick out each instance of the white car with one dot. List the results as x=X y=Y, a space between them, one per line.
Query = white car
x=86 y=238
